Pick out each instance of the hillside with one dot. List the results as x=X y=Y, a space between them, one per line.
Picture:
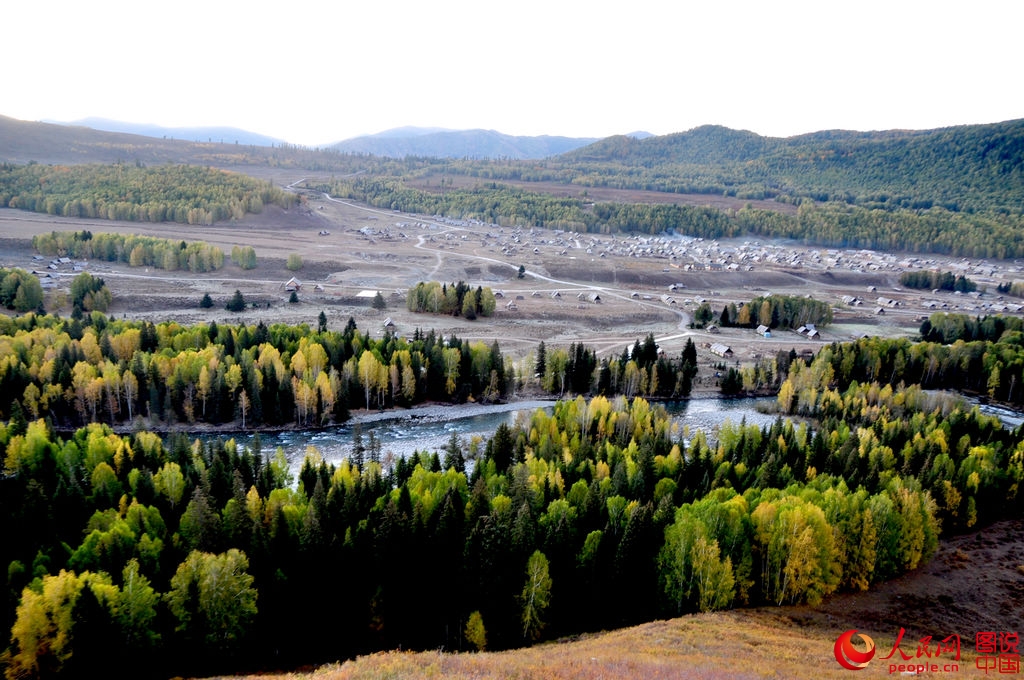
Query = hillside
x=459 y=144
x=966 y=168
x=26 y=141
x=968 y=575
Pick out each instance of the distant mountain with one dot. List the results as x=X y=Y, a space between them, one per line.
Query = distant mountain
x=223 y=135
x=26 y=141
x=706 y=144
x=479 y=144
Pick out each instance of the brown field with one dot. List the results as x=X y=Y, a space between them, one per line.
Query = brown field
x=371 y=249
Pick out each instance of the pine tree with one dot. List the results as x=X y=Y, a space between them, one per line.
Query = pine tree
x=236 y=303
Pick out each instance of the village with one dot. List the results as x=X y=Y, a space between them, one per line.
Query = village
x=554 y=286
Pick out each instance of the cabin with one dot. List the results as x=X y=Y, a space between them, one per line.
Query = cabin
x=764 y=330
x=293 y=284
x=595 y=298
x=718 y=349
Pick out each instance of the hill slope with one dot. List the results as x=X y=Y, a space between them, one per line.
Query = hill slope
x=971 y=167
x=972 y=584
x=27 y=141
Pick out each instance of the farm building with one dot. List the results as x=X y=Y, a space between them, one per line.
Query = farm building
x=293 y=284
x=718 y=349
x=764 y=330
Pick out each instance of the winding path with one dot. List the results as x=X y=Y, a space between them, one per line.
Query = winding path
x=684 y=317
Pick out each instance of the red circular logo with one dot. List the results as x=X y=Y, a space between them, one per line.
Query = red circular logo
x=848 y=656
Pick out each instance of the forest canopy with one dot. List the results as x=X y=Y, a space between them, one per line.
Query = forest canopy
x=168 y=193
x=135 y=251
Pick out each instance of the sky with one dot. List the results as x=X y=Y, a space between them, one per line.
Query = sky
x=318 y=71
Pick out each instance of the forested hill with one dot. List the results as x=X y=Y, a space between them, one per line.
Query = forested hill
x=966 y=168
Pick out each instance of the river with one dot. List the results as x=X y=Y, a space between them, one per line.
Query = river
x=429 y=428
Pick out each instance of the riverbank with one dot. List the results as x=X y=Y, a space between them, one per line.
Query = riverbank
x=438 y=413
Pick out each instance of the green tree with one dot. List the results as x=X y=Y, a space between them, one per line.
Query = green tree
x=136 y=608
x=379 y=302
x=536 y=595
x=244 y=256
x=294 y=262
x=213 y=598
x=475 y=632
x=206 y=302
x=90 y=293
x=170 y=482
x=522 y=272
x=236 y=303
x=293 y=298
x=703 y=315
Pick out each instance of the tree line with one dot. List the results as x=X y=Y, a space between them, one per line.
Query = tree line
x=937 y=280
x=168 y=193
x=130 y=249
x=773 y=311
x=76 y=371
x=993 y=369
x=826 y=223
x=454 y=299
x=640 y=370
x=20 y=291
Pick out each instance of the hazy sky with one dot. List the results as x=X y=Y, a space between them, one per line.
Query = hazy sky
x=318 y=71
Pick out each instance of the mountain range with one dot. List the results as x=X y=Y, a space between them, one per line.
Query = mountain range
x=394 y=143
x=223 y=135
x=477 y=144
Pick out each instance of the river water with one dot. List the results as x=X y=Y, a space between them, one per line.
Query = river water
x=429 y=428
